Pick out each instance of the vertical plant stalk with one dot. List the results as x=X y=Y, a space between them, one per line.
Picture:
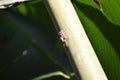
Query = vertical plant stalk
x=75 y=40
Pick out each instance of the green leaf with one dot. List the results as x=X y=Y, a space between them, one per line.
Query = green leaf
x=111 y=9
x=103 y=36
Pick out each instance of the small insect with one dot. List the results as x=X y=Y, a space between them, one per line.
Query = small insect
x=63 y=37
x=8 y=3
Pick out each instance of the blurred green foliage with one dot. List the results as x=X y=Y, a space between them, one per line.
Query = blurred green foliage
x=30 y=46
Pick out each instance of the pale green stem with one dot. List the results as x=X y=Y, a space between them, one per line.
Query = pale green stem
x=75 y=40
x=53 y=74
